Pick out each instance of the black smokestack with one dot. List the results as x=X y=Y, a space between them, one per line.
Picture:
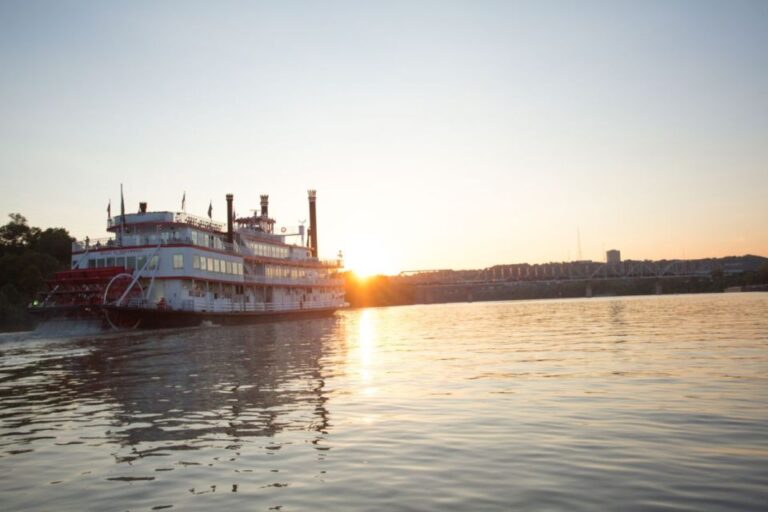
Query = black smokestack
x=265 y=206
x=230 y=220
x=142 y=207
x=312 y=221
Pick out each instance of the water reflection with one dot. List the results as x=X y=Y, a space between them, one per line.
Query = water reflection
x=173 y=391
x=366 y=345
x=604 y=404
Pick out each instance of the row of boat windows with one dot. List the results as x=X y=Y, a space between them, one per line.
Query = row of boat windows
x=259 y=248
x=201 y=288
x=131 y=262
x=268 y=250
x=215 y=265
x=195 y=237
x=283 y=271
x=198 y=262
x=206 y=240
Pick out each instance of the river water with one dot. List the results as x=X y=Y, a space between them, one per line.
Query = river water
x=647 y=403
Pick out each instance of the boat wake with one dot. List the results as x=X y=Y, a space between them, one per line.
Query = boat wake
x=68 y=327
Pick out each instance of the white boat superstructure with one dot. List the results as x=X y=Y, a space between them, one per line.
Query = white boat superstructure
x=164 y=267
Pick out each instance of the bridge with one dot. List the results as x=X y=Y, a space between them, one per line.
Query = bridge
x=586 y=275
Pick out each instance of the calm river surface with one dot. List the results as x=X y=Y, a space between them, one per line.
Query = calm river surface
x=648 y=403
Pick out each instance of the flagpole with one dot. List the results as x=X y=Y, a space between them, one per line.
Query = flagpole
x=122 y=215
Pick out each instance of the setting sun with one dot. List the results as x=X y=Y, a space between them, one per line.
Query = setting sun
x=369 y=258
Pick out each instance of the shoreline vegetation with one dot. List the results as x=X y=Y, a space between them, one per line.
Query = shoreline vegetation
x=29 y=256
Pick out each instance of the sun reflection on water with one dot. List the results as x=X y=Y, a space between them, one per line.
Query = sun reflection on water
x=366 y=341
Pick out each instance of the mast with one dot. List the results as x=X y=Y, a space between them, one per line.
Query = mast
x=313 y=221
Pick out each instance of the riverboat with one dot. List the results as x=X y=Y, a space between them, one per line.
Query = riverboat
x=169 y=269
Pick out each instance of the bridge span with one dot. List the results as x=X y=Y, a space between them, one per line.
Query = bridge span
x=577 y=278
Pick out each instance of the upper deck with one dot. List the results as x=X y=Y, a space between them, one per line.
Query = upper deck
x=251 y=237
x=166 y=228
x=117 y=222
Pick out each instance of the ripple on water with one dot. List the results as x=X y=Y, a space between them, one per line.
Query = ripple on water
x=650 y=403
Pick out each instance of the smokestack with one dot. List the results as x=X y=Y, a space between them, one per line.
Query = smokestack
x=142 y=207
x=265 y=206
x=312 y=221
x=230 y=220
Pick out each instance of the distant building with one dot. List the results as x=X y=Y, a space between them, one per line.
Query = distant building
x=613 y=257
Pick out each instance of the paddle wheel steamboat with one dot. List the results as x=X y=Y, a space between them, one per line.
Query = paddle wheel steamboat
x=168 y=269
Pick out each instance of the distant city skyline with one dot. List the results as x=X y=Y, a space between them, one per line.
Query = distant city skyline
x=437 y=134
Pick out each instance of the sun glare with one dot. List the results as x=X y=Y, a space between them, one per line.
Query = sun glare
x=368 y=259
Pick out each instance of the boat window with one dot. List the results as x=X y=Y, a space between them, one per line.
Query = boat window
x=153 y=262
x=195 y=261
x=120 y=261
x=209 y=264
x=111 y=262
x=216 y=265
x=131 y=261
x=140 y=262
x=178 y=261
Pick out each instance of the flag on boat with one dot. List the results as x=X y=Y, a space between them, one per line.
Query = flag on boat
x=109 y=209
x=184 y=202
x=210 y=210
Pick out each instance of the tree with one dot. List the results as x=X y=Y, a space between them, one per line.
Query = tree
x=55 y=242
x=16 y=235
x=28 y=256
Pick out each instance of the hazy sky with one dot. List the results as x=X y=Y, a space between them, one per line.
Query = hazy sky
x=438 y=134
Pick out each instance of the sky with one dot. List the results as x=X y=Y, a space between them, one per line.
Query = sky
x=438 y=134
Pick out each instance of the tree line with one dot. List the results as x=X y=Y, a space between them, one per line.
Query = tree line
x=28 y=257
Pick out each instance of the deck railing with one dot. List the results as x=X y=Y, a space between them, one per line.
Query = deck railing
x=205 y=306
x=177 y=217
x=308 y=281
x=200 y=222
x=154 y=239
x=147 y=239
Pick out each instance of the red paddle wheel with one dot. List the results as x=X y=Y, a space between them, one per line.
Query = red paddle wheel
x=83 y=293
x=79 y=288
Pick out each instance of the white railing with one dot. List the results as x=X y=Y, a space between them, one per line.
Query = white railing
x=154 y=239
x=147 y=239
x=308 y=281
x=261 y=235
x=200 y=222
x=330 y=263
x=96 y=243
x=205 y=306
